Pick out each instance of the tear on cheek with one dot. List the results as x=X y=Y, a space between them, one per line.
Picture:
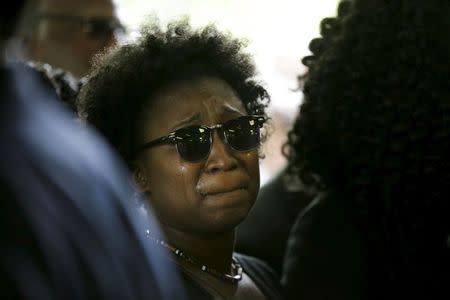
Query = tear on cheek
x=184 y=176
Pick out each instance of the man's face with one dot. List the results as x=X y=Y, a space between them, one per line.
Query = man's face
x=69 y=33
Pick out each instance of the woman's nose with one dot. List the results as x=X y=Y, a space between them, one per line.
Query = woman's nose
x=221 y=156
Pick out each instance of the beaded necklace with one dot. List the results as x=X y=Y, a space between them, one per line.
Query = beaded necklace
x=236 y=268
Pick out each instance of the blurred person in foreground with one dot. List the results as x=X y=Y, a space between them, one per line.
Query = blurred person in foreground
x=68 y=227
x=375 y=127
x=67 y=34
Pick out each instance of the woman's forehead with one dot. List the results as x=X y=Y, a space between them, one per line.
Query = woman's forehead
x=205 y=100
x=210 y=96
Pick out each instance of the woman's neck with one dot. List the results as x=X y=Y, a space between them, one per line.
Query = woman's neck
x=215 y=252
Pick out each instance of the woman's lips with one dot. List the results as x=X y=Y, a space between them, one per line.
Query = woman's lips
x=228 y=199
x=224 y=192
x=215 y=186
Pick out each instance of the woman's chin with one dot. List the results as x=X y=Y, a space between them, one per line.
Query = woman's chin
x=227 y=219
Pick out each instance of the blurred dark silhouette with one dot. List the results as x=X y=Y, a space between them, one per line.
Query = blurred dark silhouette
x=69 y=228
x=375 y=127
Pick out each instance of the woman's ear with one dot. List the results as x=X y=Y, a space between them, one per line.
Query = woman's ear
x=140 y=179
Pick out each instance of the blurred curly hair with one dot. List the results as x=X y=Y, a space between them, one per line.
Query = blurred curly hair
x=63 y=83
x=124 y=80
x=375 y=125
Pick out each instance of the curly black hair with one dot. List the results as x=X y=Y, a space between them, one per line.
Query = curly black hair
x=375 y=127
x=124 y=79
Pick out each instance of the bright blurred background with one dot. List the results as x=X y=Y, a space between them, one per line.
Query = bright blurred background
x=278 y=33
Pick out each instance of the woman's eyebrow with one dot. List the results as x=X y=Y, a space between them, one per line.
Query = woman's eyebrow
x=187 y=121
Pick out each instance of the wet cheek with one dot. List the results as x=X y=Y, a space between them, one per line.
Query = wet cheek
x=252 y=160
x=252 y=166
x=187 y=175
x=182 y=174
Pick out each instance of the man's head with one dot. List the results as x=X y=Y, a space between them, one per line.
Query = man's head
x=67 y=34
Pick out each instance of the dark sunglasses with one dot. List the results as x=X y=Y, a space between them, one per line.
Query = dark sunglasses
x=194 y=142
x=94 y=27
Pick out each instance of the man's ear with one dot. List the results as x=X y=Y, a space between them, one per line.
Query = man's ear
x=140 y=179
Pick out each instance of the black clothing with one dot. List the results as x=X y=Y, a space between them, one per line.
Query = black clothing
x=327 y=255
x=263 y=276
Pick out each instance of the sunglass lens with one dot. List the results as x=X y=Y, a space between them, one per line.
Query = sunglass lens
x=193 y=143
x=243 y=134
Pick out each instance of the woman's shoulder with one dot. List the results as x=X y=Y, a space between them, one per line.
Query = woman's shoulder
x=264 y=276
x=325 y=213
x=325 y=226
